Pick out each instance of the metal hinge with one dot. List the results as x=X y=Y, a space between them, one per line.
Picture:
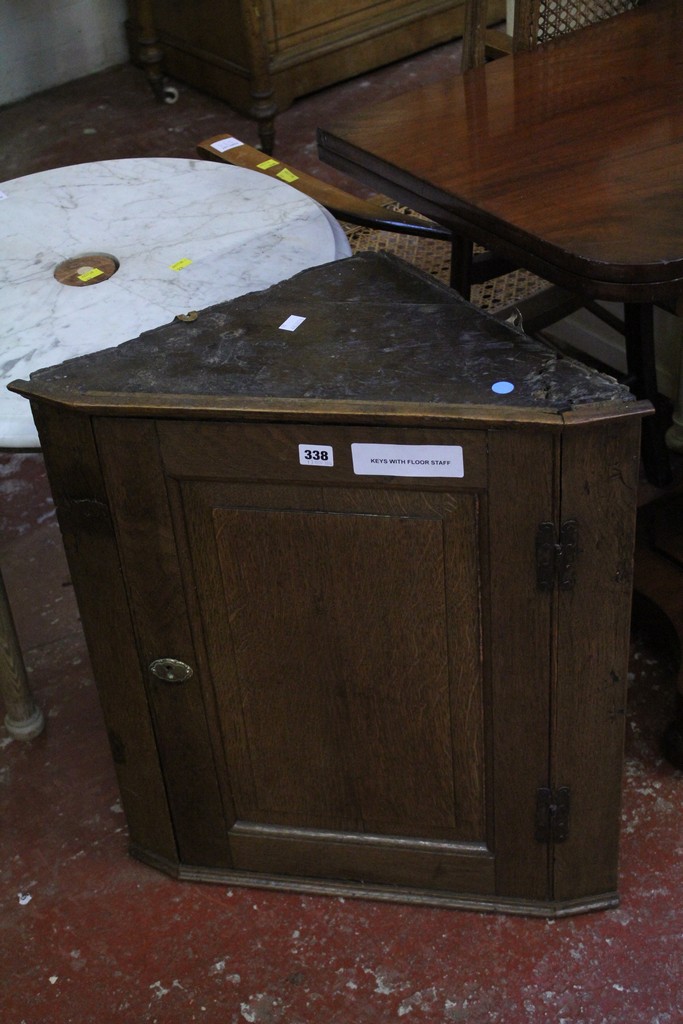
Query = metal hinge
x=556 y=557
x=552 y=815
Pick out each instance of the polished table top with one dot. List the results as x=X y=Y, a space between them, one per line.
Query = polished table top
x=139 y=242
x=567 y=158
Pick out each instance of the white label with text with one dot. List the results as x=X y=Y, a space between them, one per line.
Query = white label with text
x=316 y=455
x=407 y=460
x=223 y=145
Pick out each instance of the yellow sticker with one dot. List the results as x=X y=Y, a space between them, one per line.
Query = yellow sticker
x=267 y=164
x=89 y=274
x=287 y=175
x=180 y=265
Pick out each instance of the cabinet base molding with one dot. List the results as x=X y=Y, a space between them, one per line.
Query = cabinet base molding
x=381 y=893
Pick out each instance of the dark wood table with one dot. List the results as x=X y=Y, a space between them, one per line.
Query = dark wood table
x=567 y=159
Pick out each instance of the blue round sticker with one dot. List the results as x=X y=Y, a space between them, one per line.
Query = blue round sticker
x=503 y=387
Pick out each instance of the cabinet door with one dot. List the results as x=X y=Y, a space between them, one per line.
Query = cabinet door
x=341 y=625
x=340 y=720
x=349 y=681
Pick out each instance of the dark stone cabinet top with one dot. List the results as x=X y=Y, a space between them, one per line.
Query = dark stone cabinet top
x=372 y=330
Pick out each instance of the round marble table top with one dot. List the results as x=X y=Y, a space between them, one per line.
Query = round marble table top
x=94 y=254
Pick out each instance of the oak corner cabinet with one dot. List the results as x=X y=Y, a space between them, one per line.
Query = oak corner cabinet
x=356 y=595
x=260 y=55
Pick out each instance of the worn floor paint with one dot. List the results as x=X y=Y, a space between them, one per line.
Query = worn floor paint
x=89 y=935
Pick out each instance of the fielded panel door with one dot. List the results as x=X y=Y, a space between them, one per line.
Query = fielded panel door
x=350 y=654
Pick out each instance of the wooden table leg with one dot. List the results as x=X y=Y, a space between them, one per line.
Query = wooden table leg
x=674 y=436
x=263 y=106
x=24 y=720
x=150 y=53
x=640 y=358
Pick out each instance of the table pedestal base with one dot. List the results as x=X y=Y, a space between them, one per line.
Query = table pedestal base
x=24 y=720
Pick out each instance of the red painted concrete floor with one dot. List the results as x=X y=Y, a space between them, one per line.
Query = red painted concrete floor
x=89 y=935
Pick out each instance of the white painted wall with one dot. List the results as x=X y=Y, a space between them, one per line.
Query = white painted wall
x=48 y=42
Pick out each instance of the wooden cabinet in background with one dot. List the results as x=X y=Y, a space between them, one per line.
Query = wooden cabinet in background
x=259 y=55
x=357 y=597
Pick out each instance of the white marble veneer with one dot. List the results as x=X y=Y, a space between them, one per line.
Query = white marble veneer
x=241 y=231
